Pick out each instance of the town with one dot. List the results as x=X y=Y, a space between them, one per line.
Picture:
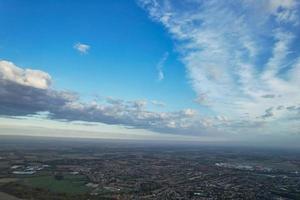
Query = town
x=112 y=170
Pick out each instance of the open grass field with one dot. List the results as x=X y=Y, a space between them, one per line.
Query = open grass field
x=5 y=196
x=7 y=180
x=71 y=184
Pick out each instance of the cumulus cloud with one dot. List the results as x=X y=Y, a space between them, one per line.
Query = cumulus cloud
x=221 y=48
x=82 y=48
x=18 y=98
x=237 y=61
x=26 y=77
x=21 y=96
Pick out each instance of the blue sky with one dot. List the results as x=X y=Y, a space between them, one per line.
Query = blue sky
x=204 y=69
x=124 y=44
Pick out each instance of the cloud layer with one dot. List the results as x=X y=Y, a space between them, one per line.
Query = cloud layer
x=26 y=92
x=240 y=56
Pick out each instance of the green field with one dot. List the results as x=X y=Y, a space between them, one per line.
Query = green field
x=8 y=197
x=71 y=184
x=7 y=180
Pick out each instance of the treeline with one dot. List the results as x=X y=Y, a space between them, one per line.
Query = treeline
x=26 y=192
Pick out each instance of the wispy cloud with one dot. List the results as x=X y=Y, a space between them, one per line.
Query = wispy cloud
x=160 y=66
x=82 y=48
x=268 y=113
x=158 y=103
x=239 y=55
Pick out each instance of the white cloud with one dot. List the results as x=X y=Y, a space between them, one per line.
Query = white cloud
x=28 y=77
x=284 y=10
x=160 y=66
x=19 y=98
x=158 y=103
x=28 y=92
x=236 y=59
x=82 y=48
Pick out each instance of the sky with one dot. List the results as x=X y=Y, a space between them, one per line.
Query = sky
x=217 y=70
